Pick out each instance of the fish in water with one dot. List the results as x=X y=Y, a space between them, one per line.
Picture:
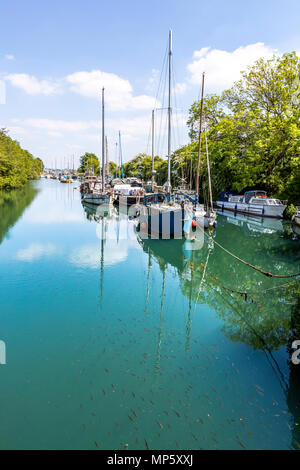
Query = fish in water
x=177 y=414
x=96 y=444
x=133 y=412
x=159 y=424
x=104 y=392
x=131 y=418
x=146 y=443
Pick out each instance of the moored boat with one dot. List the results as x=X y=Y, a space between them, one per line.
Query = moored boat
x=92 y=191
x=296 y=217
x=66 y=179
x=161 y=216
x=253 y=202
x=127 y=195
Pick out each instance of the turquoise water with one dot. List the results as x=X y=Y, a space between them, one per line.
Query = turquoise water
x=111 y=344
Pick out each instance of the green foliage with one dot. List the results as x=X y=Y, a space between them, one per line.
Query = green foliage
x=12 y=205
x=112 y=168
x=141 y=167
x=17 y=166
x=89 y=161
x=290 y=211
x=253 y=130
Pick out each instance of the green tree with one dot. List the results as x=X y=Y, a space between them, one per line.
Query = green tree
x=112 y=168
x=253 y=130
x=141 y=167
x=89 y=161
x=17 y=165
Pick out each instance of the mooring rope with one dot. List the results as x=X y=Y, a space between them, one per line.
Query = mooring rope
x=243 y=294
x=265 y=273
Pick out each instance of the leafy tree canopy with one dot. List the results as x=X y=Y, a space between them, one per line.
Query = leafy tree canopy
x=89 y=161
x=17 y=165
x=253 y=130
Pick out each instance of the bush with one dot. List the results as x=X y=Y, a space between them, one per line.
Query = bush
x=290 y=211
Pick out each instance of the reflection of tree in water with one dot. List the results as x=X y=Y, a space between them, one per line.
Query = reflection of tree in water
x=12 y=205
x=261 y=318
x=267 y=318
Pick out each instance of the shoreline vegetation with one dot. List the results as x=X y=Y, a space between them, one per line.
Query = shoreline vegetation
x=17 y=166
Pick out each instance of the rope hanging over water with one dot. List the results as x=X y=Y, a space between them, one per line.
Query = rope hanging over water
x=243 y=294
x=265 y=273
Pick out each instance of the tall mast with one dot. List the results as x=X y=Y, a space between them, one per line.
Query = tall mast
x=120 y=148
x=103 y=170
x=106 y=157
x=208 y=172
x=169 y=113
x=200 y=135
x=152 y=150
x=119 y=157
x=117 y=160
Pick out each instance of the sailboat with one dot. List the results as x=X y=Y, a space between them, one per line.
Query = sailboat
x=207 y=215
x=96 y=193
x=160 y=216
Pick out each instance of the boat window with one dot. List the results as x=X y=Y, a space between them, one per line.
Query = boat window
x=258 y=201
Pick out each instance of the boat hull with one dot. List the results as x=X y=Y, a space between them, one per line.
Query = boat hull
x=259 y=210
x=96 y=199
x=296 y=219
x=159 y=223
x=128 y=200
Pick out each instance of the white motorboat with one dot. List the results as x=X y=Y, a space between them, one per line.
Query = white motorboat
x=296 y=217
x=253 y=202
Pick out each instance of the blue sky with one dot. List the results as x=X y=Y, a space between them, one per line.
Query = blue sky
x=56 y=55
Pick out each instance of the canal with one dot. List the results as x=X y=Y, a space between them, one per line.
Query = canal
x=117 y=342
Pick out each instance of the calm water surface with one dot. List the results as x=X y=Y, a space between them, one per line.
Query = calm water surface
x=113 y=343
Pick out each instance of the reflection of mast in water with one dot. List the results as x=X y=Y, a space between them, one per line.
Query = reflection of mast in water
x=102 y=261
x=210 y=248
x=160 y=333
x=148 y=280
x=189 y=318
x=118 y=227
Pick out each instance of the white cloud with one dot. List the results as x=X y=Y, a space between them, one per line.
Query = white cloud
x=9 y=57
x=222 y=68
x=180 y=88
x=55 y=134
x=58 y=125
x=31 y=85
x=133 y=126
x=36 y=251
x=118 y=91
x=17 y=130
x=153 y=81
x=89 y=256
